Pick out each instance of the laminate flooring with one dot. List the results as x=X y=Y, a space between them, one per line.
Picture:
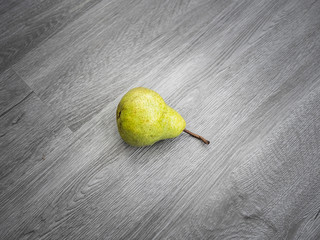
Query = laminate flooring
x=244 y=74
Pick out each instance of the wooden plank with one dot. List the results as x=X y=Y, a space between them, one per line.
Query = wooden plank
x=118 y=55
x=99 y=188
x=24 y=25
x=244 y=74
x=46 y=171
x=12 y=91
x=29 y=133
x=271 y=193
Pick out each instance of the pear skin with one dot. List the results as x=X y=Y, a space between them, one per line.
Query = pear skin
x=144 y=118
x=172 y=123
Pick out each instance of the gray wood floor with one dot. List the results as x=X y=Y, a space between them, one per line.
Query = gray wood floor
x=244 y=74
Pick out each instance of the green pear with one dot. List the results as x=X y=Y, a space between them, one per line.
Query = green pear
x=144 y=118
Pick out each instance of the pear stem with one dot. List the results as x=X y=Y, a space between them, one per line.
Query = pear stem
x=197 y=136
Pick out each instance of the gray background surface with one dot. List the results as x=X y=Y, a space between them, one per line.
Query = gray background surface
x=244 y=74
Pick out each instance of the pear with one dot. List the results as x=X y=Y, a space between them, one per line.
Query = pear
x=144 y=118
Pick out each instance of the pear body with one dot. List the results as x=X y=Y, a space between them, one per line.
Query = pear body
x=144 y=118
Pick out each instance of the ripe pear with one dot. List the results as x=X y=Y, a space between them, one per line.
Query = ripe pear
x=144 y=118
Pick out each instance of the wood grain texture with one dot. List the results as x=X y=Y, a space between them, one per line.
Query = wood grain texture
x=244 y=74
x=26 y=24
x=114 y=55
x=13 y=91
x=28 y=134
